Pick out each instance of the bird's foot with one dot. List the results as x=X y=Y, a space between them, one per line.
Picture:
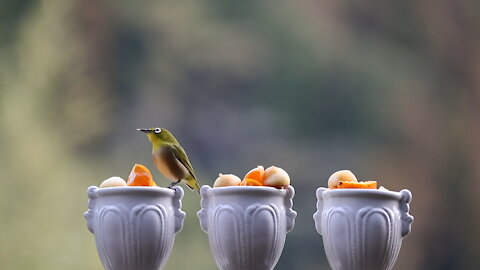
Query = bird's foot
x=173 y=184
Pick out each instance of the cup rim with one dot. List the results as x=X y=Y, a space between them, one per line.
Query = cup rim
x=134 y=190
x=366 y=193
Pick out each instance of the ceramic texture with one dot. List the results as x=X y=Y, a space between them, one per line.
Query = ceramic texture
x=246 y=226
x=134 y=227
x=362 y=229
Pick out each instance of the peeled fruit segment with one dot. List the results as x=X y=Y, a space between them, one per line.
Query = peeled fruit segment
x=276 y=177
x=225 y=180
x=140 y=176
x=113 y=181
x=341 y=176
x=256 y=174
x=250 y=182
x=362 y=184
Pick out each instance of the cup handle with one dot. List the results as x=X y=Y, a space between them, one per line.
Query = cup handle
x=406 y=218
x=90 y=213
x=177 y=208
x=318 y=215
x=203 y=213
x=290 y=213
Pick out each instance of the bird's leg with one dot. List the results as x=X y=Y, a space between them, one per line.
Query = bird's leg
x=174 y=184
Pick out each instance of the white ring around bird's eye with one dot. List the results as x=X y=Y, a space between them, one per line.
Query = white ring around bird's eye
x=158 y=130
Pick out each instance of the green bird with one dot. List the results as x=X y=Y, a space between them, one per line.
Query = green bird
x=170 y=158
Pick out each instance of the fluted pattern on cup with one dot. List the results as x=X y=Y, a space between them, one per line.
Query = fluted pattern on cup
x=244 y=234
x=370 y=234
x=246 y=250
x=133 y=232
x=362 y=230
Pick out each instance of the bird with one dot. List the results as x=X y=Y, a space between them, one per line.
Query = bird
x=170 y=158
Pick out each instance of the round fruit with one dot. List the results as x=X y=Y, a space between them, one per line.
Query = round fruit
x=225 y=180
x=113 y=181
x=276 y=177
x=341 y=176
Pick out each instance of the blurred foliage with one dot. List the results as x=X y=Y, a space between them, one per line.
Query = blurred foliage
x=390 y=90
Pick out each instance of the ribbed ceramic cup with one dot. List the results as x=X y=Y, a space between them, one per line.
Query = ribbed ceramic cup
x=246 y=225
x=362 y=229
x=134 y=227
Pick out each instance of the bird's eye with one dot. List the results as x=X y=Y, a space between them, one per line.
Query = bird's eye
x=158 y=130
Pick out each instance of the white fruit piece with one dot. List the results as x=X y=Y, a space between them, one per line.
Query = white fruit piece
x=343 y=175
x=225 y=180
x=113 y=181
x=276 y=177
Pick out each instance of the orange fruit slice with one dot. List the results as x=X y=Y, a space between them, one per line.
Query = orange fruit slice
x=256 y=174
x=140 y=176
x=362 y=184
x=250 y=182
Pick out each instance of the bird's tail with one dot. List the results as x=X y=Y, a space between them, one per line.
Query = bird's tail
x=192 y=183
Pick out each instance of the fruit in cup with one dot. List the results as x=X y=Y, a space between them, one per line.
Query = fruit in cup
x=341 y=176
x=346 y=179
x=276 y=177
x=256 y=174
x=361 y=184
x=272 y=177
x=225 y=180
x=113 y=181
x=140 y=176
x=250 y=182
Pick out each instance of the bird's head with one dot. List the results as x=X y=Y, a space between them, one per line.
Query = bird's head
x=158 y=135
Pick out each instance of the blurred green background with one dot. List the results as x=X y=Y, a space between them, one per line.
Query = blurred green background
x=388 y=89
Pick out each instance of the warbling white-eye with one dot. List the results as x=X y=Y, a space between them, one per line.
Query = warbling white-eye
x=170 y=158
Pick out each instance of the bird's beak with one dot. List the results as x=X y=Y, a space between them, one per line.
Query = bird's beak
x=146 y=130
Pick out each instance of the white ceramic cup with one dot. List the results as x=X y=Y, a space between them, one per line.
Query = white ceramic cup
x=246 y=225
x=362 y=229
x=134 y=227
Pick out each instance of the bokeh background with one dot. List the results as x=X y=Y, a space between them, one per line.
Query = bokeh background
x=388 y=89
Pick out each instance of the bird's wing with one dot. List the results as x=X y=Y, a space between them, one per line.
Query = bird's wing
x=180 y=154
